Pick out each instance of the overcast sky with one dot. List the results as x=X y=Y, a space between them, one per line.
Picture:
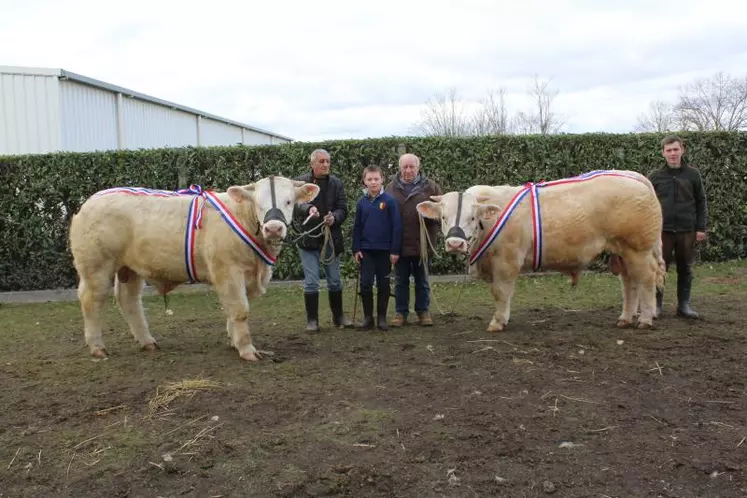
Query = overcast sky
x=329 y=69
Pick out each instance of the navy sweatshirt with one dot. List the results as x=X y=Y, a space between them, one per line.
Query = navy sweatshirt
x=378 y=225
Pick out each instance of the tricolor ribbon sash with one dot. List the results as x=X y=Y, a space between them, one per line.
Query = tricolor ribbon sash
x=532 y=189
x=194 y=220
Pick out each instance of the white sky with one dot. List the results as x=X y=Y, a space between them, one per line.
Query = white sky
x=329 y=69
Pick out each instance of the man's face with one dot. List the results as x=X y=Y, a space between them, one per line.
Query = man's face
x=408 y=170
x=672 y=152
x=320 y=165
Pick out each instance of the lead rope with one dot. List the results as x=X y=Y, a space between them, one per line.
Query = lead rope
x=425 y=243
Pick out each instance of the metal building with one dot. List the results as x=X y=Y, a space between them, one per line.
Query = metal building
x=48 y=110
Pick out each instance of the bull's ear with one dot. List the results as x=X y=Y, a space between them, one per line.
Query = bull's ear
x=241 y=193
x=429 y=209
x=306 y=192
x=437 y=198
x=487 y=211
x=482 y=198
x=298 y=183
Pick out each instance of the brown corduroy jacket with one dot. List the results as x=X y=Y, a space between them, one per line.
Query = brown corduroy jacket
x=423 y=189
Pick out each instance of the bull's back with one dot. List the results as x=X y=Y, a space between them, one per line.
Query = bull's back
x=127 y=230
x=619 y=210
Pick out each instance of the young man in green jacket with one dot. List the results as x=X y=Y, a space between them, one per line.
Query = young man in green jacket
x=681 y=193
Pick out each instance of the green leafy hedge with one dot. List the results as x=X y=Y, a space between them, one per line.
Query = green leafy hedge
x=39 y=193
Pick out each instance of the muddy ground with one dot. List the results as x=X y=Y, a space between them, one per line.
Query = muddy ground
x=560 y=404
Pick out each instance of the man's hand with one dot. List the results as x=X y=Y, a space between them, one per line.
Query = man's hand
x=329 y=219
x=358 y=257
x=394 y=258
x=700 y=236
x=313 y=212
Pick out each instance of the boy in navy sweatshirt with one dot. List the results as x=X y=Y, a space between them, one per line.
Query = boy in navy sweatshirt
x=377 y=238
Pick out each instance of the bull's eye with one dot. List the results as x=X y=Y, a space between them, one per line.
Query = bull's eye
x=287 y=203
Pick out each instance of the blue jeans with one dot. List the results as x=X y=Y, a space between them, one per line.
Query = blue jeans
x=310 y=260
x=406 y=266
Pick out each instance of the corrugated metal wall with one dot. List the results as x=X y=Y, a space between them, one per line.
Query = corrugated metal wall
x=43 y=113
x=216 y=133
x=29 y=114
x=150 y=125
x=88 y=119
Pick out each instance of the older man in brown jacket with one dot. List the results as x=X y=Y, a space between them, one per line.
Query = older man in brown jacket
x=410 y=187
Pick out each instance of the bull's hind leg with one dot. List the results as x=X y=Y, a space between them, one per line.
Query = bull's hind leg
x=93 y=290
x=630 y=300
x=641 y=268
x=232 y=293
x=128 y=292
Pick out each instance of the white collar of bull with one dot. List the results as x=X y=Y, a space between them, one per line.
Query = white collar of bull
x=194 y=219
x=533 y=190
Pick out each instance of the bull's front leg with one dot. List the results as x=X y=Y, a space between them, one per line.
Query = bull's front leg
x=230 y=287
x=502 y=289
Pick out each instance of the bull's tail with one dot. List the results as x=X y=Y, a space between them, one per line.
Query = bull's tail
x=661 y=267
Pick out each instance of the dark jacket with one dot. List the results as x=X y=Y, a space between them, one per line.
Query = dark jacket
x=682 y=197
x=422 y=190
x=331 y=198
x=378 y=225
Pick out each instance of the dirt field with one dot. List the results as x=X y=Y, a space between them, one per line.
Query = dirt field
x=561 y=404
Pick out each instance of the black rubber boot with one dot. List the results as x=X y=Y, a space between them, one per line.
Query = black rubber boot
x=367 y=300
x=312 y=311
x=382 y=303
x=335 y=305
x=659 y=302
x=684 y=282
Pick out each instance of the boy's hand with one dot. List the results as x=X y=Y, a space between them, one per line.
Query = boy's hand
x=394 y=258
x=700 y=236
x=358 y=257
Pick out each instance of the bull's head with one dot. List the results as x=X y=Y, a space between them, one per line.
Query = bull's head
x=461 y=216
x=274 y=198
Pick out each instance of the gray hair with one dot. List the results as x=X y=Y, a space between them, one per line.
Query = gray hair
x=409 y=156
x=316 y=152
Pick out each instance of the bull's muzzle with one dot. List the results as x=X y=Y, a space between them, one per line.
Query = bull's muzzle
x=274 y=230
x=456 y=240
x=275 y=226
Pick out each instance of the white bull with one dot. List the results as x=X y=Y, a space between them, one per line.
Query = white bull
x=561 y=225
x=169 y=238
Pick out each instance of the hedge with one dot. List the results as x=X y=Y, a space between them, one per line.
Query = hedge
x=39 y=193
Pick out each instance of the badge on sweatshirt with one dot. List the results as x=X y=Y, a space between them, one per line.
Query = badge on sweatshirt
x=382 y=205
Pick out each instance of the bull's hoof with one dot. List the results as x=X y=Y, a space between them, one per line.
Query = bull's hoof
x=644 y=325
x=249 y=356
x=151 y=346
x=495 y=327
x=623 y=324
x=99 y=353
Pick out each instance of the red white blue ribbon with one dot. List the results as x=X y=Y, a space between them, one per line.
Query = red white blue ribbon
x=533 y=190
x=239 y=229
x=194 y=220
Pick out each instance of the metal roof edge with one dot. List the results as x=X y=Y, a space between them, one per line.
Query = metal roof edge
x=79 y=78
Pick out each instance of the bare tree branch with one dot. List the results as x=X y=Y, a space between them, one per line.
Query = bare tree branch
x=444 y=116
x=492 y=116
x=660 y=118
x=718 y=103
x=542 y=120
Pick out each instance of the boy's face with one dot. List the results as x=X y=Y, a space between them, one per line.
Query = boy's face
x=372 y=181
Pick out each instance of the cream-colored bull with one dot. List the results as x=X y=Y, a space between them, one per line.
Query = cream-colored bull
x=615 y=211
x=133 y=235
